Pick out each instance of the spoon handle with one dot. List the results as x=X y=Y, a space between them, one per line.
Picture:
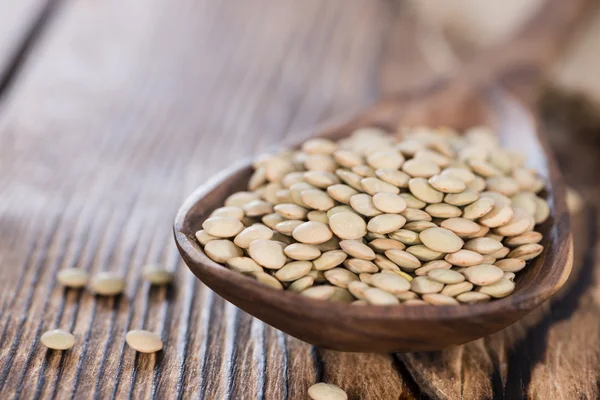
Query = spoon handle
x=516 y=65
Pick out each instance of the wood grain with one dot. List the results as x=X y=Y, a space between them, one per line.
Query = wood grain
x=117 y=101
x=122 y=109
x=568 y=345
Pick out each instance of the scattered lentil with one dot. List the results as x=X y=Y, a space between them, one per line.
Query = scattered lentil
x=57 y=339
x=158 y=275
x=73 y=277
x=144 y=341
x=326 y=391
x=107 y=284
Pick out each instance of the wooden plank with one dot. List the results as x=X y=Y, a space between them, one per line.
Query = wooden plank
x=364 y=376
x=567 y=352
x=125 y=108
x=476 y=370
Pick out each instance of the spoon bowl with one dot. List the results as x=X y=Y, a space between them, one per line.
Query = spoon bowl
x=369 y=328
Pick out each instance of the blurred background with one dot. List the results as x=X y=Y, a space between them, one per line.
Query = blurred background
x=112 y=112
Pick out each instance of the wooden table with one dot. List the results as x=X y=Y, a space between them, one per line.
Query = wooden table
x=111 y=112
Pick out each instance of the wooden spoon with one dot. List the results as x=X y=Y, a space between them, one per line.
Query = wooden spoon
x=459 y=102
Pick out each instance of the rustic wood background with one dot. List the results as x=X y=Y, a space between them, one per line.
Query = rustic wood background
x=112 y=111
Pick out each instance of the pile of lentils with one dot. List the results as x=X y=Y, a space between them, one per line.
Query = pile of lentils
x=425 y=216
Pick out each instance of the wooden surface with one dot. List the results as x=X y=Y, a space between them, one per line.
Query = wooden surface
x=116 y=110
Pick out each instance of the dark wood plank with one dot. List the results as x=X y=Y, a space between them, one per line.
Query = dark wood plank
x=122 y=110
x=569 y=336
x=476 y=370
x=355 y=372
